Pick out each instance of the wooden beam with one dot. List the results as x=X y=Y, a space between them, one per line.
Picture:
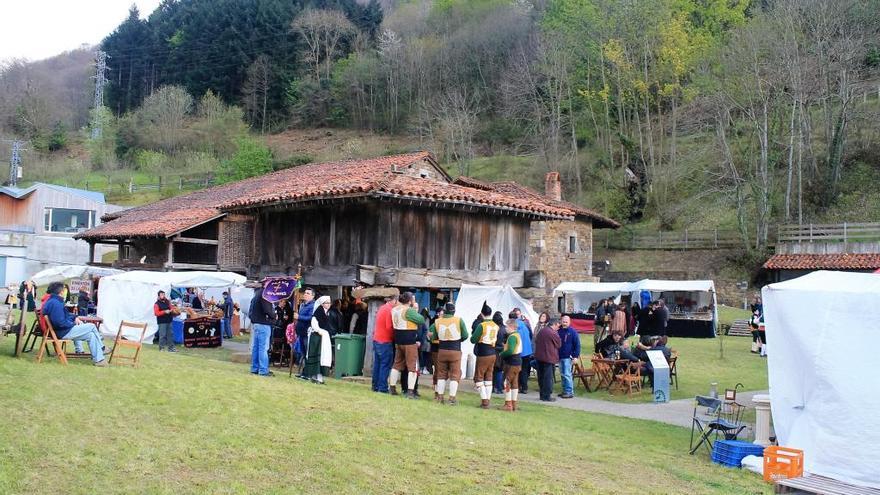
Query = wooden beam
x=423 y=277
x=339 y=275
x=193 y=240
x=191 y=266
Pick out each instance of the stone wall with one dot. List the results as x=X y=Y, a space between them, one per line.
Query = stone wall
x=549 y=251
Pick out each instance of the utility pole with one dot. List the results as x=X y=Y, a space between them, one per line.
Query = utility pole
x=15 y=163
x=100 y=80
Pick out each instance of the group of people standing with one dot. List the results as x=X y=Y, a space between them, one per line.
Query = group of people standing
x=505 y=349
x=614 y=317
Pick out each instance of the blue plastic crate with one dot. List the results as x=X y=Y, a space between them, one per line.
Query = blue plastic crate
x=738 y=446
x=732 y=452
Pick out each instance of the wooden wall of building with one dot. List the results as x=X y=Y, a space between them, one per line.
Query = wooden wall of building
x=15 y=211
x=391 y=235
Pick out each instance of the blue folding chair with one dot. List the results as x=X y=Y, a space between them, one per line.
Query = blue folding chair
x=714 y=417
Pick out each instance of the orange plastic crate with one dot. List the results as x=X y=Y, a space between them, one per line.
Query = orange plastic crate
x=782 y=462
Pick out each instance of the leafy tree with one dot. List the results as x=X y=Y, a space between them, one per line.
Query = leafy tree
x=251 y=159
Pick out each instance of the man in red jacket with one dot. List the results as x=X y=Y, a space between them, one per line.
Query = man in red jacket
x=546 y=352
x=383 y=347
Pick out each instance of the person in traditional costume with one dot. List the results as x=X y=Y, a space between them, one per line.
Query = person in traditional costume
x=511 y=357
x=406 y=321
x=319 y=350
x=484 y=336
x=450 y=331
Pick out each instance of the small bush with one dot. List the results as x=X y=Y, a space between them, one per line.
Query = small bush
x=294 y=160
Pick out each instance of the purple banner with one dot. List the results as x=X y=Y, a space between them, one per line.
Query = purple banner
x=276 y=289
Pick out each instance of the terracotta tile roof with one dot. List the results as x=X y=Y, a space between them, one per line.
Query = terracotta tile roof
x=515 y=190
x=376 y=177
x=869 y=261
x=432 y=190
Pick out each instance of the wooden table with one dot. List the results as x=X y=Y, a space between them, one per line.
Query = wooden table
x=607 y=369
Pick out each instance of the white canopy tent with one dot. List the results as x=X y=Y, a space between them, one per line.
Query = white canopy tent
x=824 y=388
x=584 y=294
x=469 y=302
x=66 y=272
x=130 y=295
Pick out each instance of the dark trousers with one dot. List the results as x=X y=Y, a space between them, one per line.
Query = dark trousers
x=524 y=374
x=383 y=355
x=498 y=380
x=545 y=379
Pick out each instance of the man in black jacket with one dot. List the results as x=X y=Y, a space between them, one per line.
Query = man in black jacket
x=262 y=315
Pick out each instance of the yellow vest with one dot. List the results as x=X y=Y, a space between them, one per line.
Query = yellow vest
x=490 y=333
x=448 y=328
x=517 y=349
x=398 y=318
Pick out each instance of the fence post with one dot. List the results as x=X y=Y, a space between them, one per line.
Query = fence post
x=661 y=240
x=160 y=183
x=844 y=237
x=811 y=232
x=130 y=185
x=632 y=240
x=685 y=238
x=716 y=237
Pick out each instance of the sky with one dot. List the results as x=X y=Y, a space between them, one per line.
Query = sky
x=38 y=29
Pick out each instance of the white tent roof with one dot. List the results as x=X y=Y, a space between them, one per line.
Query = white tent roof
x=65 y=272
x=825 y=394
x=130 y=295
x=601 y=287
x=673 y=285
x=180 y=279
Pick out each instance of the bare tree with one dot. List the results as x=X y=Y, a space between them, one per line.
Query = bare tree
x=255 y=91
x=323 y=31
x=166 y=110
x=452 y=126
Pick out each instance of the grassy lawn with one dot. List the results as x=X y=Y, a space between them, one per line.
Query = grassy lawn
x=700 y=363
x=183 y=424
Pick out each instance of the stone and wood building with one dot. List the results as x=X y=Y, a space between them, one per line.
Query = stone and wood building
x=398 y=221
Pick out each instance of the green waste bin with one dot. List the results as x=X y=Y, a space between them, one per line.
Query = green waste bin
x=349 y=354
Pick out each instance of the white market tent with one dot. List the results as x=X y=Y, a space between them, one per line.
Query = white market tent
x=66 y=272
x=585 y=294
x=469 y=302
x=824 y=388
x=130 y=295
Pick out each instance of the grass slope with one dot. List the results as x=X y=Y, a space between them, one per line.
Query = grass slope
x=184 y=424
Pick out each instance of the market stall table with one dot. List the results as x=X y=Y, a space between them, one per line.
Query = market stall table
x=202 y=331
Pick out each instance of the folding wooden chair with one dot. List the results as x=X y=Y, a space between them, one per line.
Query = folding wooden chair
x=121 y=341
x=630 y=378
x=35 y=332
x=50 y=338
x=673 y=371
x=604 y=375
x=585 y=374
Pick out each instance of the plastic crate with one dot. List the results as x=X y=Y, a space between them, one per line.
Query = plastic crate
x=782 y=462
x=732 y=452
x=738 y=446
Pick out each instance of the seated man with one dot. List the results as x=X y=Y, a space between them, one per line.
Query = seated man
x=67 y=326
x=657 y=343
x=610 y=345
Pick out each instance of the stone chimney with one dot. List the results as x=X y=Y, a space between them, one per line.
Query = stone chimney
x=553 y=186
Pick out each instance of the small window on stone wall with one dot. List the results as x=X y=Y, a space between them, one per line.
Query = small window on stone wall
x=572 y=244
